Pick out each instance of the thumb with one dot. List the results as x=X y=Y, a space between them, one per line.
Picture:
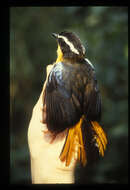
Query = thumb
x=49 y=68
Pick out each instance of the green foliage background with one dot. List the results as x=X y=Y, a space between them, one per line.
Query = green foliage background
x=104 y=33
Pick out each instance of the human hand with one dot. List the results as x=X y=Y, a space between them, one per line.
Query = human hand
x=46 y=166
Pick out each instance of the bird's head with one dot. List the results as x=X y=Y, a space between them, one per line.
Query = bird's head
x=69 y=46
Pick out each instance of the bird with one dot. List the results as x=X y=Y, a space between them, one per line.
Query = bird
x=72 y=101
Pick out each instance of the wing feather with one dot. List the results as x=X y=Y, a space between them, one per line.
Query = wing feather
x=62 y=106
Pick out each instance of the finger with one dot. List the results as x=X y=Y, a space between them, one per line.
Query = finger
x=41 y=106
x=44 y=117
x=44 y=128
x=53 y=137
x=48 y=69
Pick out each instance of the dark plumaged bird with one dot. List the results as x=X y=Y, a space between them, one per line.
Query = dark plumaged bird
x=73 y=100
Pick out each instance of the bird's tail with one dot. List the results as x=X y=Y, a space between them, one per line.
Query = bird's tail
x=85 y=135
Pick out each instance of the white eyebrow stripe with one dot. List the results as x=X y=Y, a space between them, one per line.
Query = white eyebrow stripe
x=73 y=49
x=89 y=63
x=83 y=48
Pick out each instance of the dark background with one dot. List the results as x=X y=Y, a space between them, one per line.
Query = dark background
x=104 y=33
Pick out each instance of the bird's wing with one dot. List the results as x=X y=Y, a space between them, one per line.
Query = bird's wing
x=63 y=96
x=92 y=98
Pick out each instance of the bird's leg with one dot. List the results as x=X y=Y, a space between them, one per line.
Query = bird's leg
x=49 y=135
x=53 y=137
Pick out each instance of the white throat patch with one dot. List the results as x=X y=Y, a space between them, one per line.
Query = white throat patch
x=73 y=49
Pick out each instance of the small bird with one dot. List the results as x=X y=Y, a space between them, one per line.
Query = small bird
x=72 y=100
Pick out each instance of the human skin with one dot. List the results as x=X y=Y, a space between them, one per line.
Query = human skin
x=45 y=149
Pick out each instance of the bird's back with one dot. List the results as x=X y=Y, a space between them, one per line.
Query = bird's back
x=64 y=94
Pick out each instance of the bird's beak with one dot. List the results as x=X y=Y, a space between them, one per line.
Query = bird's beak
x=55 y=35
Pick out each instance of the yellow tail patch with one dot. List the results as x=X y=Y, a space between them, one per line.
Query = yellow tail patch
x=100 y=137
x=75 y=138
x=69 y=148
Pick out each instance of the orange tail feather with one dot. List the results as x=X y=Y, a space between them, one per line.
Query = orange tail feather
x=100 y=137
x=69 y=147
x=74 y=133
